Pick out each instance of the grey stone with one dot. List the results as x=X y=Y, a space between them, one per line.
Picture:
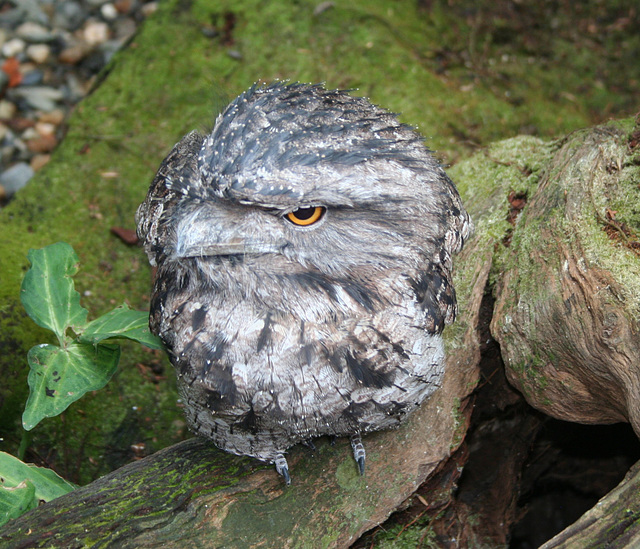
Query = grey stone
x=38 y=97
x=34 y=33
x=16 y=177
x=32 y=78
x=69 y=15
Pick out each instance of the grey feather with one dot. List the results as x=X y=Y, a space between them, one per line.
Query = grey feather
x=280 y=333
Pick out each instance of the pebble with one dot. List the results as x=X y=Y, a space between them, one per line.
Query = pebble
x=45 y=128
x=74 y=54
x=42 y=144
x=124 y=6
x=32 y=78
x=29 y=133
x=96 y=32
x=149 y=8
x=15 y=178
x=54 y=117
x=39 y=97
x=7 y=109
x=39 y=161
x=38 y=53
x=109 y=12
x=50 y=53
x=13 y=47
x=69 y=15
x=34 y=33
x=124 y=28
x=31 y=10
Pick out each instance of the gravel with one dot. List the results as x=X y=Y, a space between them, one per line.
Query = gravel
x=50 y=54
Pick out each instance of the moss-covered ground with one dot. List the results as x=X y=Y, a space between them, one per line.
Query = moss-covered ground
x=466 y=73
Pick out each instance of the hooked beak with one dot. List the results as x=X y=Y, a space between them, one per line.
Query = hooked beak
x=204 y=249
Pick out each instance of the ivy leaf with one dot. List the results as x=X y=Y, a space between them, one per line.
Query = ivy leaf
x=121 y=322
x=58 y=377
x=48 y=293
x=24 y=486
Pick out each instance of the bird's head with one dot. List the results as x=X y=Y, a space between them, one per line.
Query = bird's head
x=296 y=178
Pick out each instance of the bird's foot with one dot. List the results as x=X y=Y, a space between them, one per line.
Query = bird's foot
x=358 y=452
x=309 y=444
x=282 y=468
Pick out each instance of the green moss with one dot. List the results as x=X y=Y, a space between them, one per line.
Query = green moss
x=460 y=425
x=399 y=536
x=614 y=192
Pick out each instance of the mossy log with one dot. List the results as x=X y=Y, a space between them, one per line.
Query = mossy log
x=567 y=305
x=612 y=522
x=567 y=314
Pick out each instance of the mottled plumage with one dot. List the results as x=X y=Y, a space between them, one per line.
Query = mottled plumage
x=281 y=332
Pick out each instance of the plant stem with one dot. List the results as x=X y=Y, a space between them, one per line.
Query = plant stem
x=24 y=444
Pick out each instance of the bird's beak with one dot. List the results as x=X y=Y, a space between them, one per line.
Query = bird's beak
x=202 y=249
x=206 y=232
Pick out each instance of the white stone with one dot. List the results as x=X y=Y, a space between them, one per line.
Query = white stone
x=7 y=109
x=38 y=53
x=29 y=133
x=13 y=47
x=109 y=12
x=149 y=8
x=45 y=128
x=96 y=32
x=40 y=97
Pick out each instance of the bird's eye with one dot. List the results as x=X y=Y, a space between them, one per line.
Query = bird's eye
x=306 y=216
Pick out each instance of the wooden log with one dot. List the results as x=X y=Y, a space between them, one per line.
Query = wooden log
x=612 y=522
x=568 y=299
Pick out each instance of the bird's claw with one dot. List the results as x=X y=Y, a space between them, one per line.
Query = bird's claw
x=358 y=452
x=282 y=468
x=309 y=444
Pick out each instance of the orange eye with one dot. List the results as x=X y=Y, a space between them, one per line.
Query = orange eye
x=306 y=216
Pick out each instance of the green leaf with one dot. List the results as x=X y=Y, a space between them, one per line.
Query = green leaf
x=16 y=500
x=121 y=322
x=48 y=484
x=47 y=292
x=59 y=377
x=24 y=486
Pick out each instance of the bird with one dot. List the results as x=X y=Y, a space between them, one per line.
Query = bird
x=303 y=252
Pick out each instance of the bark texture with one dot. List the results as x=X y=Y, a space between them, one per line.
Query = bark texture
x=612 y=522
x=568 y=301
